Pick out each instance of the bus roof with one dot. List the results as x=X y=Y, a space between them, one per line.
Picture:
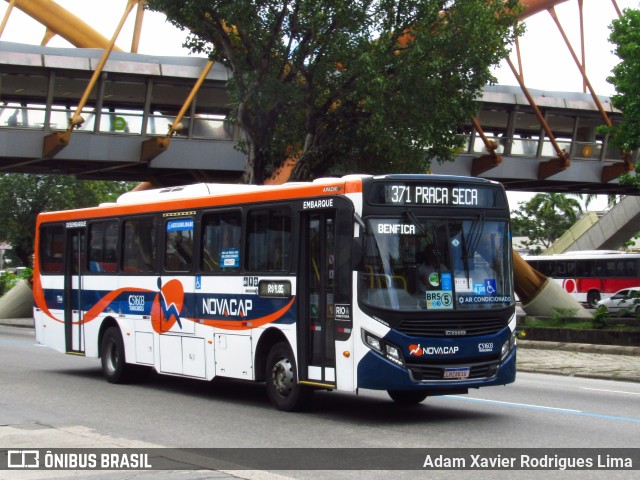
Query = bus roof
x=210 y=194
x=199 y=190
x=204 y=195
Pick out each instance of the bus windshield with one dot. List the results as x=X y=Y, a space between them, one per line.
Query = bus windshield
x=419 y=263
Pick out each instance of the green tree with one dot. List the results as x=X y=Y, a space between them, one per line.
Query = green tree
x=544 y=218
x=612 y=199
x=24 y=196
x=349 y=85
x=625 y=35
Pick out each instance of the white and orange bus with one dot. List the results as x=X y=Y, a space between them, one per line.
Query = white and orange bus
x=302 y=286
x=591 y=275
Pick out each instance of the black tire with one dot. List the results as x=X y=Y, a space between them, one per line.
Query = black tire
x=407 y=397
x=114 y=365
x=593 y=297
x=284 y=391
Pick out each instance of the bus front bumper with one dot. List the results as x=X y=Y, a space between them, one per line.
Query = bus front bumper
x=377 y=373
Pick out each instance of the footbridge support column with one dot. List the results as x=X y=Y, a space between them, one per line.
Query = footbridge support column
x=541 y=295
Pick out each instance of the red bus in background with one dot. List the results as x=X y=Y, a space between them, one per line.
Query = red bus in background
x=590 y=275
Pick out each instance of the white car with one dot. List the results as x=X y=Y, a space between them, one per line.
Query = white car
x=625 y=302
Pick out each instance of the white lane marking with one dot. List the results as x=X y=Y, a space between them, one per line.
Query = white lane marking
x=609 y=391
x=541 y=408
x=526 y=405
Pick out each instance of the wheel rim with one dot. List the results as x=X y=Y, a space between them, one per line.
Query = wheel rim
x=111 y=356
x=282 y=377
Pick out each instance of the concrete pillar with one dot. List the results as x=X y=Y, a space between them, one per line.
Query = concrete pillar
x=540 y=295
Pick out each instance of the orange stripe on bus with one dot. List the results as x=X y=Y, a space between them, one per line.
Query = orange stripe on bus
x=263 y=194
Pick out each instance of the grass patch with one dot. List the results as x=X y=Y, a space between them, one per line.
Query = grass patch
x=576 y=324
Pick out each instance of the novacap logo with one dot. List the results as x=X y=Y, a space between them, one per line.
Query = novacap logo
x=167 y=305
x=418 y=351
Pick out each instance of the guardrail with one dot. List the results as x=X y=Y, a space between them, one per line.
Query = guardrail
x=115 y=121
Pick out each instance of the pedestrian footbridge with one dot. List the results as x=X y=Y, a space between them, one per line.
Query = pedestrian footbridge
x=541 y=141
x=602 y=231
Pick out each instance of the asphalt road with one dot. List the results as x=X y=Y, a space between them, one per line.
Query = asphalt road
x=45 y=394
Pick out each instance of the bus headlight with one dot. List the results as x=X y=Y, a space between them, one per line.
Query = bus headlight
x=393 y=351
x=387 y=350
x=508 y=345
x=372 y=341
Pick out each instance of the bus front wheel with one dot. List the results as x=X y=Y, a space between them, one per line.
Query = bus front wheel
x=593 y=297
x=407 y=397
x=114 y=366
x=284 y=391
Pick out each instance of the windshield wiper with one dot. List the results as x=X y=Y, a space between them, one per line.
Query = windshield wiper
x=360 y=222
x=416 y=222
x=470 y=242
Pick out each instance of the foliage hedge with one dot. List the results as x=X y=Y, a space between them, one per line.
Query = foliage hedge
x=8 y=279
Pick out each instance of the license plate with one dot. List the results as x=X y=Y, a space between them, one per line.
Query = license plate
x=456 y=372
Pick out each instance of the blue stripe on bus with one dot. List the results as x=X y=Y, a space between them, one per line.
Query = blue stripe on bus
x=207 y=306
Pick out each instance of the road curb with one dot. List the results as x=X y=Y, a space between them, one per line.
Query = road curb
x=595 y=376
x=18 y=322
x=580 y=347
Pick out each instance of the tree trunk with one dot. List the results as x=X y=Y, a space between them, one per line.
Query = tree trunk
x=249 y=175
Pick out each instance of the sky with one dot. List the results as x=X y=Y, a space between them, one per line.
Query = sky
x=547 y=63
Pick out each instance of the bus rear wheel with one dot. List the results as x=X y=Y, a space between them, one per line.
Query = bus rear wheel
x=114 y=366
x=407 y=397
x=593 y=297
x=284 y=391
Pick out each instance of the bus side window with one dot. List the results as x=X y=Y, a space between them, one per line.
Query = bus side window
x=139 y=246
x=610 y=268
x=546 y=268
x=103 y=244
x=51 y=247
x=630 y=269
x=178 y=256
x=221 y=238
x=269 y=240
x=583 y=268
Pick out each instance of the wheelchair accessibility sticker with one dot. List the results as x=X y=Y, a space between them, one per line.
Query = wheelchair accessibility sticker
x=488 y=287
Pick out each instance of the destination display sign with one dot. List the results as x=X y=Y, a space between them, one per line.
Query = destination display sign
x=433 y=194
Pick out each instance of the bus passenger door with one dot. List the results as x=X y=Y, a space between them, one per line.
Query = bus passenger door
x=176 y=284
x=73 y=284
x=317 y=363
x=178 y=353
